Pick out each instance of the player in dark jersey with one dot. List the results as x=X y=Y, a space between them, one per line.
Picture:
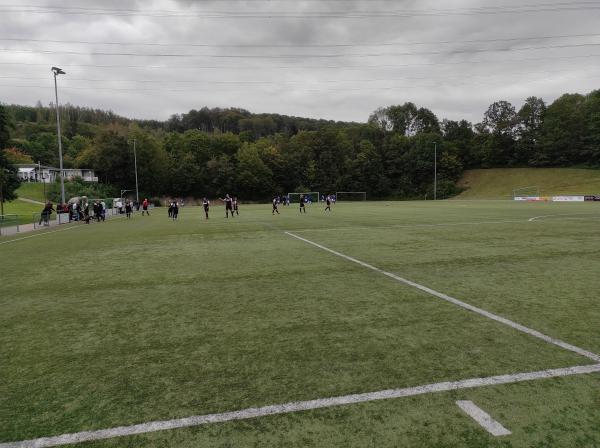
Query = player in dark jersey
x=275 y=204
x=175 y=211
x=236 y=209
x=302 y=204
x=206 y=205
x=228 y=206
x=328 y=203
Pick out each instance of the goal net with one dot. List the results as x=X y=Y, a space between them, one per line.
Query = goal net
x=350 y=196
x=533 y=191
x=309 y=197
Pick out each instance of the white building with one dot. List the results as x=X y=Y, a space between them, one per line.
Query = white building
x=32 y=172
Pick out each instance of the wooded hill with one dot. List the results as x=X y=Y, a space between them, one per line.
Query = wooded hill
x=215 y=151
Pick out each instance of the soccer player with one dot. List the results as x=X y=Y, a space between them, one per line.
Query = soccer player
x=235 y=207
x=145 y=207
x=328 y=203
x=228 y=206
x=275 y=203
x=128 y=209
x=302 y=205
x=206 y=205
x=175 y=210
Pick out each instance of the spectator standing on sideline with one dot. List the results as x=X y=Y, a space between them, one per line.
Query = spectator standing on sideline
x=46 y=212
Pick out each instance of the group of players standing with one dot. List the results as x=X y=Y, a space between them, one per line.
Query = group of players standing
x=302 y=202
x=232 y=205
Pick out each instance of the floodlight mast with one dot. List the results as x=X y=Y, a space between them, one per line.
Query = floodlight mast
x=57 y=71
x=137 y=190
x=435 y=171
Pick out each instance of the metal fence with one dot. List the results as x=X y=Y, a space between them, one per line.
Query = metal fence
x=9 y=224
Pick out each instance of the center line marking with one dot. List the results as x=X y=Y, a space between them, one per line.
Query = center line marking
x=483 y=418
x=457 y=302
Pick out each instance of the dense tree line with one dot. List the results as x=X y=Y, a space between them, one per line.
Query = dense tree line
x=214 y=151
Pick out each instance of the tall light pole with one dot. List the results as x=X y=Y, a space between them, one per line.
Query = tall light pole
x=137 y=191
x=42 y=177
x=57 y=71
x=435 y=171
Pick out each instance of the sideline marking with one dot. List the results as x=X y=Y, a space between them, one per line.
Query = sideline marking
x=460 y=303
x=39 y=234
x=297 y=406
x=483 y=418
x=73 y=226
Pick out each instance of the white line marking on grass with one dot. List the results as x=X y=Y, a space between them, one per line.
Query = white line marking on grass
x=457 y=302
x=73 y=226
x=38 y=234
x=562 y=214
x=483 y=418
x=297 y=406
x=408 y=226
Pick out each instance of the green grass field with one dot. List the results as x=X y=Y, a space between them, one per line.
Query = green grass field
x=500 y=183
x=128 y=322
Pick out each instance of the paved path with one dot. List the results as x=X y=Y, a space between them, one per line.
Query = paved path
x=31 y=201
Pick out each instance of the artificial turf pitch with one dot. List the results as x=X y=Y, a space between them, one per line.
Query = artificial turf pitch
x=127 y=322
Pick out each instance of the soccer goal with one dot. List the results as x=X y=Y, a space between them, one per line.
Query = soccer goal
x=350 y=196
x=309 y=197
x=533 y=191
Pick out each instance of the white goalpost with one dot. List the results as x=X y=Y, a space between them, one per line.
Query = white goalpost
x=351 y=196
x=309 y=197
x=524 y=192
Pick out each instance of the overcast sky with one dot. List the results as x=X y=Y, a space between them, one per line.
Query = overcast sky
x=333 y=59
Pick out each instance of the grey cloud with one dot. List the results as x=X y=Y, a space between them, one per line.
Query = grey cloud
x=447 y=82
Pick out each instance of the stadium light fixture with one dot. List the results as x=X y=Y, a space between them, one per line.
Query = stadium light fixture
x=57 y=71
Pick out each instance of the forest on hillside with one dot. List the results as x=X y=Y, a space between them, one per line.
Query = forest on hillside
x=210 y=152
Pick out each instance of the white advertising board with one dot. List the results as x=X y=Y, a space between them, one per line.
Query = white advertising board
x=568 y=198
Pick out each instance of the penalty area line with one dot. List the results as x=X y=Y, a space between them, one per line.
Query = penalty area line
x=298 y=406
x=457 y=302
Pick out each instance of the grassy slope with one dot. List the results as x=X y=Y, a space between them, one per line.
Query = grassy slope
x=500 y=183
x=185 y=318
x=25 y=210
x=32 y=190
